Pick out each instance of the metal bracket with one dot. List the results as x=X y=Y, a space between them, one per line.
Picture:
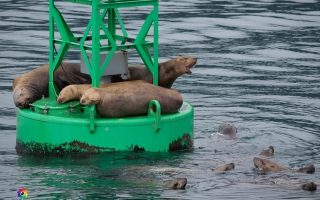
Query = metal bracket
x=154 y=111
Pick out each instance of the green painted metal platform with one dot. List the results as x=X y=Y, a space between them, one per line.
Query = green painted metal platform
x=62 y=130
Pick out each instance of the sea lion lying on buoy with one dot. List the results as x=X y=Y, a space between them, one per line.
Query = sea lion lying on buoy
x=75 y=92
x=227 y=129
x=268 y=165
x=132 y=98
x=224 y=168
x=168 y=71
x=179 y=183
x=29 y=87
x=267 y=152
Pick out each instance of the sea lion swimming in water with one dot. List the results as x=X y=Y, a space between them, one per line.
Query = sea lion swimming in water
x=268 y=165
x=267 y=152
x=227 y=129
x=179 y=183
x=168 y=71
x=29 y=87
x=310 y=186
x=224 y=168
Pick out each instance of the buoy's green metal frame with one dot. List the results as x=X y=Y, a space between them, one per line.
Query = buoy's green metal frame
x=154 y=132
x=96 y=22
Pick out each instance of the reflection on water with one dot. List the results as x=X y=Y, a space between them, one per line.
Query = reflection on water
x=258 y=67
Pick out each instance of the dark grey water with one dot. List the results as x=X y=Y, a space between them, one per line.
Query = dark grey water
x=258 y=67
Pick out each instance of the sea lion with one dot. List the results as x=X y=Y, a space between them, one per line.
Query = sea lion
x=268 y=165
x=179 y=183
x=30 y=86
x=308 y=169
x=310 y=186
x=168 y=71
x=267 y=152
x=75 y=92
x=227 y=129
x=72 y=92
x=124 y=99
x=226 y=167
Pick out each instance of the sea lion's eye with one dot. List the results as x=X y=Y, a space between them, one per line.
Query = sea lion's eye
x=272 y=166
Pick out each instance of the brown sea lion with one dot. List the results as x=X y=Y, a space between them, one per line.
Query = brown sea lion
x=226 y=167
x=308 y=169
x=267 y=152
x=131 y=98
x=179 y=183
x=228 y=129
x=268 y=165
x=75 y=92
x=72 y=92
x=168 y=71
x=29 y=87
x=310 y=186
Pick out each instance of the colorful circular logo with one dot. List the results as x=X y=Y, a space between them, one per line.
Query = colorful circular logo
x=22 y=193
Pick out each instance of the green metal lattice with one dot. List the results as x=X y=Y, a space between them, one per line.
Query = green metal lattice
x=109 y=8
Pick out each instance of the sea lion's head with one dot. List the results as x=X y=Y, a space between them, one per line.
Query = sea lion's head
x=267 y=165
x=23 y=96
x=228 y=129
x=267 y=152
x=226 y=167
x=184 y=64
x=179 y=183
x=310 y=186
x=308 y=169
x=90 y=97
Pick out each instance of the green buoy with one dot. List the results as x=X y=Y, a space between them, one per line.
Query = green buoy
x=52 y=128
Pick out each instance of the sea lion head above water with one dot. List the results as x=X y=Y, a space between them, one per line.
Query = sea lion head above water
x=179 y=183
x=228 y=129
x=267 y=152
x=310 y=186
x=268 y=165
x=222 y=168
